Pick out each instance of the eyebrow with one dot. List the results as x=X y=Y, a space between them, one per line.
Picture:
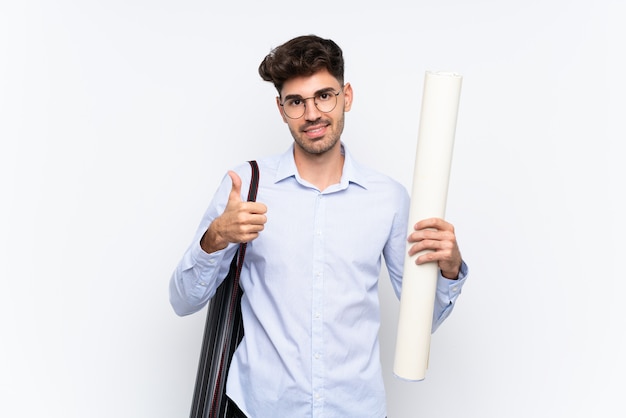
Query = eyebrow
x=317 y=93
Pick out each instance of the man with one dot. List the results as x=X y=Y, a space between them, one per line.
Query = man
x=316 y=239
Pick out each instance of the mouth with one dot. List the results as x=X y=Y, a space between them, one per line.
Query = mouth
x=315 y=131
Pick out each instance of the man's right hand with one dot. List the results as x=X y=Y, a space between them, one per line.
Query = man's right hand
x=241 y=221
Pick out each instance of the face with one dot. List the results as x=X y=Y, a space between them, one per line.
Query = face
x=316 y=132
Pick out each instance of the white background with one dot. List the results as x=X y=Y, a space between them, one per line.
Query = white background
x=118 y=119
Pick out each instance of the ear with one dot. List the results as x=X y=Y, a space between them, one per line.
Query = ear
x=280 y=109
x=348 y=95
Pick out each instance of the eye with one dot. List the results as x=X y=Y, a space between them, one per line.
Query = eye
x=293 y=102
x=323 y=96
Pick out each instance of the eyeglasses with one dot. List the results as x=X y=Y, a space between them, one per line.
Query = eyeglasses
x=325 y=101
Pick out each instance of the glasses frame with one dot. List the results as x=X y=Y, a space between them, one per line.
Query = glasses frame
x=304 y=100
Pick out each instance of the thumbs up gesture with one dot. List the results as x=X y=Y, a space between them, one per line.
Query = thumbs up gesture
x=241 y=221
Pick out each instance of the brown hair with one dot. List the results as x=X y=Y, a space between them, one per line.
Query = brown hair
x=302 y=56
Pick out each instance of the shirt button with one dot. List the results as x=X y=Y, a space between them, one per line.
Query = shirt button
x=455 y=288
x=317 y=356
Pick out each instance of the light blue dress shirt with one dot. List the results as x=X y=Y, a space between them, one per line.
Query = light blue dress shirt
x=310 y=304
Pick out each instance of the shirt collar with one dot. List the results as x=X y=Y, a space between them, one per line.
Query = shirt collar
x=352 y=171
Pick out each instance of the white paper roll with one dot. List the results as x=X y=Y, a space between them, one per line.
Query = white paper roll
x=440 y=103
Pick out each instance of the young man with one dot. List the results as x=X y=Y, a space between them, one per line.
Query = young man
x=316 y=239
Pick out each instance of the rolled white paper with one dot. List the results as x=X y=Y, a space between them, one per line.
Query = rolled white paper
x=437 y=126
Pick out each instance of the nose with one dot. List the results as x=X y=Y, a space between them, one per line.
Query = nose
x=311 y=112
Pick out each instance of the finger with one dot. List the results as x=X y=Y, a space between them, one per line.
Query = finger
x=235 y=191
x=424 y=246
x=428 y=234
x=426 y=257
x=257 y=208
x=433 y=223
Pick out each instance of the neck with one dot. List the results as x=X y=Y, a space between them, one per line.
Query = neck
x=321 y=170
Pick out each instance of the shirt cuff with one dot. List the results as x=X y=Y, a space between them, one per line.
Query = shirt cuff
x=204 y=259
x=452 y=288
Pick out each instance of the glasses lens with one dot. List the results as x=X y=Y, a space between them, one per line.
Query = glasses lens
x=326 y=102
x=294 y=108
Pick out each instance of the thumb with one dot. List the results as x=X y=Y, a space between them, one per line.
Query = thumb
x=235 y=192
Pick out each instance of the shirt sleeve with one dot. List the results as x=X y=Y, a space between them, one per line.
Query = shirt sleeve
x=446 y=295
x=198 y=274
x=447 y=291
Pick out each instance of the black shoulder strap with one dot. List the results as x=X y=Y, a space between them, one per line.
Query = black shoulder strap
x=254 y=187
x=254 y=182
x=222 y=333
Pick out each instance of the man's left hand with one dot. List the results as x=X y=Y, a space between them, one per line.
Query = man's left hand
x=438 y=236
